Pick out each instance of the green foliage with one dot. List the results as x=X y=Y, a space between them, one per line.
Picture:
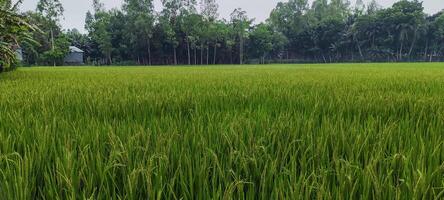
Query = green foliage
x=330 y=31
x=240 y=23
x=56 y=55
x=14 y=31
x=51 y=43
x=368 y=131
x=140 y=25
x=261 y=39
x=52 y=9
x=184 y=32
x=324 y=31
x=97 y=25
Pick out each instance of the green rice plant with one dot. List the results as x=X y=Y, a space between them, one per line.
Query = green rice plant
x=339 y=131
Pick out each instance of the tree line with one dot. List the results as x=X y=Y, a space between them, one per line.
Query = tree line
x=191 y=32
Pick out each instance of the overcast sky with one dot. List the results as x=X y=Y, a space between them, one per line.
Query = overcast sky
x=75 y=10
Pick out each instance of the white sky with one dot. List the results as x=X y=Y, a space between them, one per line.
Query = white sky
x=75 y=10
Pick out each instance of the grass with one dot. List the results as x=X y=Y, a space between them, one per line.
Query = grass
x=342 y=131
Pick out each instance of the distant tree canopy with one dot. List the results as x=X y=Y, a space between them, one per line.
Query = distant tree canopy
x=191 y=32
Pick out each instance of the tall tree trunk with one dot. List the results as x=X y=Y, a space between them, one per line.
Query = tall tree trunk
x=201 y=53
x=195 y=55
x=323 y=57
x=149 y=52
x=175 y=55
x=188 y=49
x=110 y=60
x=360 y=50
x=400 y=51
x=431 y=56
x=52 y=44
x=241 y=50
x=413 y=42
x=231 y=55
x=215 y=53
x=425 y=50
x=208 y=53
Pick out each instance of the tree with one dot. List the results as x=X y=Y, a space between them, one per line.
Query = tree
x=291 y=19
x=359 y=7
x=140 y=15
x=404 y=19
x=169 y=38
x=436 y=36
x=339 y=9
x=261 y=41
x=320 y=9
x=241 y=24
x=97 y=26
x=218 y=32
x=373 y=7
x=14 y=29
x=325 y=35
x=323 y=31
x=56 y=55
x=170 y=12
x=362 y=32
x=52 y=10
x=209 y=32
x=190 y=23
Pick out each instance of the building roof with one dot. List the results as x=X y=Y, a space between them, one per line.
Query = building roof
x=74 y=49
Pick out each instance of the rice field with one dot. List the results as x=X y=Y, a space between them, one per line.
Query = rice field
x=339 y=131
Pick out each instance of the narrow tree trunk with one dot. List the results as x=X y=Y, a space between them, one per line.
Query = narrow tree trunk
x=360 y=51
x=149 y=52
x=110 y=60
x=400 y=51
x=175 y=55
x=241 y=50
x=201 y=54
x=195 y=55
x=188 y=49
x=208 y=53
x=323 y=57
x=431 y=56
x=426 y=49
x=52 y=44
x=231 y=55
x=215 y=53
x=413 y=42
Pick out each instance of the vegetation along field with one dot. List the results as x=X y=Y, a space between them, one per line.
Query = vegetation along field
x=339 y=131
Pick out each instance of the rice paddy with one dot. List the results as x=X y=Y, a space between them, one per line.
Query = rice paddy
x=339 y=131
